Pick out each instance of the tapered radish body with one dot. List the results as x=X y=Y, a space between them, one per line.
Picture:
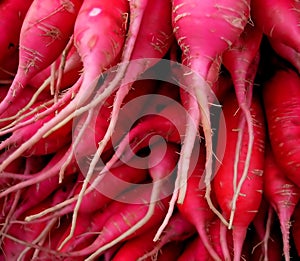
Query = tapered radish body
x=228 y=179
x=273 y=23
x=218 y=22
x=45 y=32
x=283 y=195
x=282 y=105
x=195 y=208
x=146 y=44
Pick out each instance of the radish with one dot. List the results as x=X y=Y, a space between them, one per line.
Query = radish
x=283 y=195
x=45 y=32
x=239 y=193
x=195 y=208
x=111 y=235
x=281 y=108
x=286 y=52
x=44 y=146
x=98 y=195
x=13 y=14
x=274 y=24
x=217 y=22
x=95 y=60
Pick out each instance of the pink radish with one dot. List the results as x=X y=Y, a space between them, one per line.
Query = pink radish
x=274 y=24
x=283 y=196
x=281 y=106
x=45 y=32
x=239 y=193
x=216 y=23
x=13 y=14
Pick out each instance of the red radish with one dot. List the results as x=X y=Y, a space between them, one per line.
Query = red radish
x=216 y=23
x=13 y=14
x=284 y=132
x=280 y=25
x=111 y=235
x=111 y=14
x=242 y=63
x=152 y=41
x=50 y=170
x=71 y=70
x=239 y=193
x=98 y=195
x=45 y=32
x=21 y=101
x=162 y=162
x=97 y=221
x=166 y=124
x=220 y=240
x=8 y=69
x=266 y=241
x=286 y=52
x=25 y=233
x=195 y=208
x=47 y=145
x=283 y=196
x=139 y=30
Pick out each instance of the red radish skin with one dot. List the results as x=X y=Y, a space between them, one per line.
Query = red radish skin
x=241 y=59
x=126 y=221
x=48 y=145
x=72 y=67
x=13 y=14
x=153 y=42
x=95 y=60
x=161 y=164
x=218 y=25
x=281 y=26
x=138 y=30
x=284 y=132
x=97 y=195
x=45 y=32
x=286 y=52
x=283 y=196
x=195 y=208
x=50 y=170
x=250 y=187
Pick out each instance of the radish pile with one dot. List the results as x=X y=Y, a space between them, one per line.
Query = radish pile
x=133 y=134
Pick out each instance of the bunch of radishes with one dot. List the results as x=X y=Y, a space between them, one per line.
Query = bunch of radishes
x=149 y=130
